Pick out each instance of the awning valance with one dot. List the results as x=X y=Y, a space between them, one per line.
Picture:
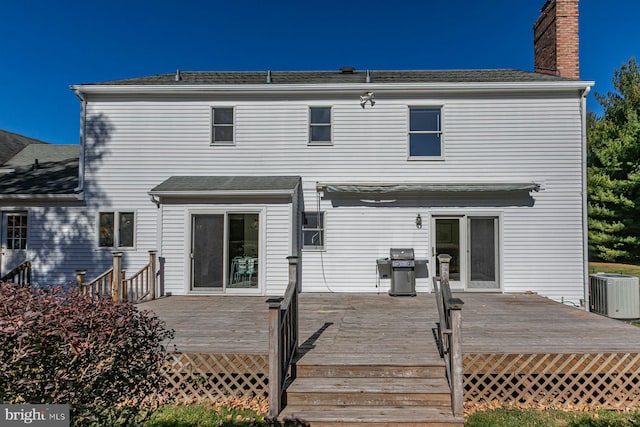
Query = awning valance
x=440 y=187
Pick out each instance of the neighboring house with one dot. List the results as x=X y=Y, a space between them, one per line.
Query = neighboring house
x=228 y=173
x=40 y=208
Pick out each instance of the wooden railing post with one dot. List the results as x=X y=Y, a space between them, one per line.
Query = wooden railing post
x=443 y=261
x=275 y=350
x=293 y=278
x=152 y=274
x=457 y=397
x=116 y=281
x=81 y=276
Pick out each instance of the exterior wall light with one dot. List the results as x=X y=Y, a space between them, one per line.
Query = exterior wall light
x=418 y=222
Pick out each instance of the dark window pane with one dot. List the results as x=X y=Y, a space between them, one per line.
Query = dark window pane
x=223 y=134
x=312 y=238
x=425 y=144
x=310 y=220
x=126 y=229
x=223 y=116
x=423 y=119
x=320 y=133
x=106 y=229
x=320 y=115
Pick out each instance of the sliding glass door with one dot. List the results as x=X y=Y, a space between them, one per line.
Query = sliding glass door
x=225 y=251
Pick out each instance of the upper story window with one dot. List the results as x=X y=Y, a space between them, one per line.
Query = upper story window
x=116 y=229
x=222 y=125
x=320 y=125
x=425 y=132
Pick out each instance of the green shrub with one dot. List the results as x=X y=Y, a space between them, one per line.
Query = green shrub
x=102 y=358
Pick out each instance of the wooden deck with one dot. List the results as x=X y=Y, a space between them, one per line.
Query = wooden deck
x=366 y=324
x=517 y=348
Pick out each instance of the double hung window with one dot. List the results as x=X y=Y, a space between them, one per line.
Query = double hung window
x=425 y=132
x=222 y=131
x=116 y=229
x=320 y=125
x=313 y=230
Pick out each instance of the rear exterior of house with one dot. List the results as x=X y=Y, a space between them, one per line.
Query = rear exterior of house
x=226 y=174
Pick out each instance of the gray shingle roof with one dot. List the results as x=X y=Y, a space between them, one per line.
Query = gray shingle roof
x=49 y=178
x=11 y=143
x=199 y=184
x=44 y=153
x=320 y=77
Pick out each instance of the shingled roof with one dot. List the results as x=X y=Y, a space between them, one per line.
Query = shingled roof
x=11 y=143
x=327 y=77
x=41 y=170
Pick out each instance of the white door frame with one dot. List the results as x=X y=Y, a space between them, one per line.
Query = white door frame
x=226 y=211
x=465 y=247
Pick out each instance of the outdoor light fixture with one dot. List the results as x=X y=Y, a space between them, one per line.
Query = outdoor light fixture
x=418 y=222
x=368 y=97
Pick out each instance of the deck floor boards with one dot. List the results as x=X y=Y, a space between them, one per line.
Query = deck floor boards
x=371 y=324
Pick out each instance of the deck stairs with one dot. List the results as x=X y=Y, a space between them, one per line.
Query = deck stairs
x=369 y=389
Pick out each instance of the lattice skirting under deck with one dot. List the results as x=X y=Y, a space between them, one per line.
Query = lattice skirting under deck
x=602 y=380
x=197 y=377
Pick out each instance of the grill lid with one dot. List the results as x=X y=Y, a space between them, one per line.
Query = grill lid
x=401 y=253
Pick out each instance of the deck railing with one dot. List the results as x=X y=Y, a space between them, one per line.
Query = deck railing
x=448 y=333
x=114 y=283
x=100 y=286
x=21 y=275
x=283 y=339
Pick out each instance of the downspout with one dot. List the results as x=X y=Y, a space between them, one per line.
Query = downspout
x=81 y=162
x=585 y=215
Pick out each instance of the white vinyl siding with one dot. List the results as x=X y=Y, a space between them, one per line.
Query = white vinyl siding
x=513 y=137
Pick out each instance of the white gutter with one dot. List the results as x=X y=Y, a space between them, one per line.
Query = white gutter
x=83 y=121
x=434 y=87
x=585 y=214
x=54 y=197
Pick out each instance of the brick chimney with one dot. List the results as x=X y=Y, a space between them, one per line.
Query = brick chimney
x=555 y=39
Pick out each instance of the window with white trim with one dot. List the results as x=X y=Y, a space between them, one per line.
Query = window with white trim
x=222 y=131
x=116 y=229
x=320 y=125
x=425 y=132
x=313 y=230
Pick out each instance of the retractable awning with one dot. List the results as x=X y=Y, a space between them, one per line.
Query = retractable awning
x=209 y=186
x=418 y=187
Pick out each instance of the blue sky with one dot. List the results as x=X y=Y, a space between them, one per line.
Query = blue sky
x=46 y=46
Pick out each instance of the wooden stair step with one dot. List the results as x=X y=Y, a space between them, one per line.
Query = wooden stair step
x=371 y=358
x=368 y=371
x=374 y=416
x=369 y=391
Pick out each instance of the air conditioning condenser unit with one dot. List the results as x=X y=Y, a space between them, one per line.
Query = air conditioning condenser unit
x=614 y=295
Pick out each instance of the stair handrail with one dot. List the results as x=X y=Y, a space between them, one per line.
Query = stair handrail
x=448 y=333
x=283 y=339
x=20 y=275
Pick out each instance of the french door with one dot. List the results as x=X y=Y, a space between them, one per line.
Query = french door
x=13 y=240
x=473 y=243
x=225 y=252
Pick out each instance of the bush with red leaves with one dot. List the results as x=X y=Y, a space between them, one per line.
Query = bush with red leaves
x=102 y=358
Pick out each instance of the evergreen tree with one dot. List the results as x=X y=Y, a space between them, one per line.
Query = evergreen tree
x=613 y=170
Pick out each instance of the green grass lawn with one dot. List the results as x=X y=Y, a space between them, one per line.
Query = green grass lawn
x=605 y=267
x=203 y=416
x=551 y=418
